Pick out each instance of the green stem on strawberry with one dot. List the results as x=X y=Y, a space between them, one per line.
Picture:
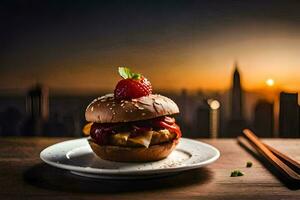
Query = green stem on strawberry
x=126 y=73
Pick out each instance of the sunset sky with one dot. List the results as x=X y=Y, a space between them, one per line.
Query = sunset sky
x=187 y=44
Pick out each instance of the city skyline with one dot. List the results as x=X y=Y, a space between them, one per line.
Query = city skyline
x=269 y=85
x=215 y=114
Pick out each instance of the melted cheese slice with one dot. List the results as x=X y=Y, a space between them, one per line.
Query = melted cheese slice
x=143 y=139
x=121 y=138
x=87 y=129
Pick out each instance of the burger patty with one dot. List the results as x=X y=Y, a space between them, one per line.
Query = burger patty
x=143 y=139
x=138 y=133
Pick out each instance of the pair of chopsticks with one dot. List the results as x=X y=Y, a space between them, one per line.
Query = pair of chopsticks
x=284 y=164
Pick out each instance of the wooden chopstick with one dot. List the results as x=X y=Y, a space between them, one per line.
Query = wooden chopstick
x=286 y=159
x=274 y=160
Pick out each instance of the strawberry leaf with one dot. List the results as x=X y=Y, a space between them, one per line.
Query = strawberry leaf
x=126 y=73
x=136 y=76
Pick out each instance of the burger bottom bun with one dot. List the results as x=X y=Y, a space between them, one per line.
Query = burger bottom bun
x=133 y=154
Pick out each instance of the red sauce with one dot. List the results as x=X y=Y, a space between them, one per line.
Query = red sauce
x=100 y=132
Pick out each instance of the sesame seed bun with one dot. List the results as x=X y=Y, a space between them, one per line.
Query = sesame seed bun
x=107 y=109
x=133 y=154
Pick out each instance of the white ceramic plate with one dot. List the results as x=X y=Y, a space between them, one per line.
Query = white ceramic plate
x=77 y=156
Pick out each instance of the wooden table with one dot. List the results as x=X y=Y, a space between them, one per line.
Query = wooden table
x=24 y=175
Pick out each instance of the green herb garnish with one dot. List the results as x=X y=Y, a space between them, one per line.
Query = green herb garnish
x=125 y=73
x=236 y=173
x=249 y=164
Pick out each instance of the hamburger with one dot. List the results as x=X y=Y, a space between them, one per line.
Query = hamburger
x=132 y=124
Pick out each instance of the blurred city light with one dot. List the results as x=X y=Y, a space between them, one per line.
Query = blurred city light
x=214 y=104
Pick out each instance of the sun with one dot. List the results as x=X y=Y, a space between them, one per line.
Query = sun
x=270 y=82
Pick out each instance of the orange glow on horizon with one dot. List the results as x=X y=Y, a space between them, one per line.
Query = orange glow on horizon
x=189 y=63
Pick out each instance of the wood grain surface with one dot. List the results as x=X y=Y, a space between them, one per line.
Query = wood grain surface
x=24 y=176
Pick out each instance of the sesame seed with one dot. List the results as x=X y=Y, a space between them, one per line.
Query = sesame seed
x=107 y=104
x=126 y=101
x=122 y=104
x=92 y=109
x=143 y=114
x=110 y=108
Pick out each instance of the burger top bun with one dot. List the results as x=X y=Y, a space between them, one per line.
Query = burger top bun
x=107 y=109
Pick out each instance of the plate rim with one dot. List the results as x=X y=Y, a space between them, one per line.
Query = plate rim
x=133 y=171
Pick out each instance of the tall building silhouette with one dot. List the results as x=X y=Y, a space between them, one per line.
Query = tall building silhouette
x=236 y=96
x=236 y=122
x=37 y=102
x=37 y=108
x=288 y=115
x=202 y=120
x=264 y=118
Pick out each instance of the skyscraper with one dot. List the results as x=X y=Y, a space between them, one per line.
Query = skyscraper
x=37 y=108
x=202 y=120
x=288 y=115
x=236 y=96
x=236 y=122
x=264 y=118
x=37 y=102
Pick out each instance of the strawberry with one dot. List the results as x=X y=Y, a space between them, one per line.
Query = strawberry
x=132 y=85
